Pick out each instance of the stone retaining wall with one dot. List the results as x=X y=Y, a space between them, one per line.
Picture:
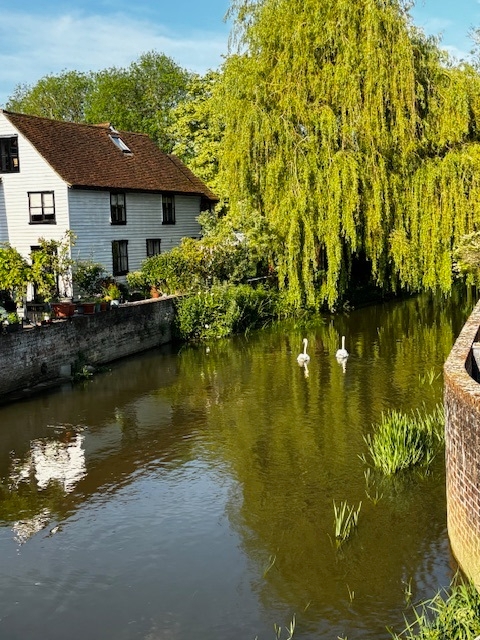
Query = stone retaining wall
x=462 y=432
x=44 y=354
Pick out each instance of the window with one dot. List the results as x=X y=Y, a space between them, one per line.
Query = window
x=9 y=155
x=41 y=205
x=153 y=247
x=118 y=212
x=168 y=205
x=120 y=143
x=120 y=257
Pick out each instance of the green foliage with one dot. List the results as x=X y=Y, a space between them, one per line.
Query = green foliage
x=89 y=276
x=402 y=441
x=12 y=318
x=15 y=272
x=61 y=97
x=197 y=130
x=174 y=271
x=51 y=268
x=453 y=614
x=467 y=257
x=137 y=283
x=349 y=148
x=139 y=98
x=112 y=291
x=222 y=255
x=223 y=310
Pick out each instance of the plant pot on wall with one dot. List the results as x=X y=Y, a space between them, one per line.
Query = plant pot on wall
x=62 y=309
x=88 y=308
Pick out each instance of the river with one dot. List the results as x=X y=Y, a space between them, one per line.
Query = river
x=187 y=493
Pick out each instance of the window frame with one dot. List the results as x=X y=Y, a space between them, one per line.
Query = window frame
x=120 y=257
x=118 y=213
x=41 y=217
x=168 y=209
x=9 y=156
x=155 y=243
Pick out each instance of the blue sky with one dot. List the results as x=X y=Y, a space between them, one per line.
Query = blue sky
x=47 y=37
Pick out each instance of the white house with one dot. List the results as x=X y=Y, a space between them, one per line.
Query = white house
x=122 y=197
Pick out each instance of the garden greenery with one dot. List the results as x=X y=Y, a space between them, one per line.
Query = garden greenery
x=352 y=135
x=452 y=614
x=224 y=309
x=15 y=272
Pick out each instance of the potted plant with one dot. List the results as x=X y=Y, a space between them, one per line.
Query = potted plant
x=138 y=284
x=112 y=294
x=52 y=273
x=12 y=322
x=89 y=277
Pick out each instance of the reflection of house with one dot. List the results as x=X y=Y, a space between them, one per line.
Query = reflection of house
x=52 y=461
x=49 y=462
x=123 y=198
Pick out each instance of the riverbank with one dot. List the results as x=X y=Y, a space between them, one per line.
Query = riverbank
x=39 y=357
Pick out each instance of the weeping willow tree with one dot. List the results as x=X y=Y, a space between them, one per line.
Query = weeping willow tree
x=351 y=135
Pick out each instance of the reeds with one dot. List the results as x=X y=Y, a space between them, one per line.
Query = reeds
x=452 y=615
x=402 y=441
x=346 y=520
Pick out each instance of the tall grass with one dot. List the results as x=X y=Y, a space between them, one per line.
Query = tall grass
x=405 y=440
x=449 y=615
x=346 y=520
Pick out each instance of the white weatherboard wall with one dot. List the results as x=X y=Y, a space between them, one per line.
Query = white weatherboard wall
x=35 y=175
x=90 y=221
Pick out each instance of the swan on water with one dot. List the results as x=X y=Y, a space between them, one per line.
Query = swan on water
x=342 y=353
x=302 y=358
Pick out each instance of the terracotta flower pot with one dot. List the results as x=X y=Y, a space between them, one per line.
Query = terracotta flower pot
x=63 y=309
x=88 y=308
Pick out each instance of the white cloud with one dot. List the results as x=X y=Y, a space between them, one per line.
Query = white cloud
x=34 y=46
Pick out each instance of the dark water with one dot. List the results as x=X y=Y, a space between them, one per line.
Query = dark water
x=188 y=494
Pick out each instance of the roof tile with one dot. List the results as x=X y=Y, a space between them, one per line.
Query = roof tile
x=84 y=156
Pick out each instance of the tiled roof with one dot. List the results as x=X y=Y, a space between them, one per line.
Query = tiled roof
x=84 y=156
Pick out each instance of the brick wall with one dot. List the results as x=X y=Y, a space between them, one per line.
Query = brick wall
x=462 y=432
x=41 y=355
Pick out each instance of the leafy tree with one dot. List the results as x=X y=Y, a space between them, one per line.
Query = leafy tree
x=140 y=98
x=59 y=97
x=197 y=131
x=354 y=137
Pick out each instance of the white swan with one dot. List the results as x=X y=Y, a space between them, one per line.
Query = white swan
x=302 y=358
x=342 y=353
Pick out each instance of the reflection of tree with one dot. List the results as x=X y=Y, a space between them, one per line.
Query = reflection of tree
x=292 y=443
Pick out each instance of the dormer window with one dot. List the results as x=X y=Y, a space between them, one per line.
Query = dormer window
x=119 y=143
x=9 y=155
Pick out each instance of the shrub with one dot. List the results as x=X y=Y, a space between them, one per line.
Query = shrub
x=223 y=310
x=89 y=277
x=177 y=270
x=137 y=283
x=15 y=272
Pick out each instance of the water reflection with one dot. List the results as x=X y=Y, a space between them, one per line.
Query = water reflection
x=195 y=489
